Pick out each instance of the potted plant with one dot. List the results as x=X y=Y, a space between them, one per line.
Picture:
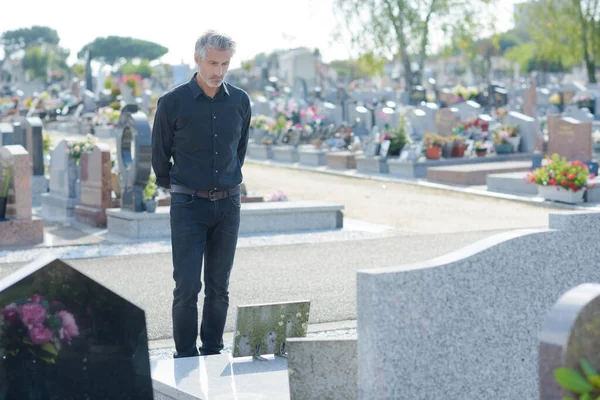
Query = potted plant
x=509 y=134
x=481 y=148
x=149 y=195
x=6 y=174
x=501 y=143
x=433 y=144
x=459 y=145
x=561 y=180
x=398 y=137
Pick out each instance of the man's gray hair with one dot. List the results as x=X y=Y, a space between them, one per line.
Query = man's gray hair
x=213 y=40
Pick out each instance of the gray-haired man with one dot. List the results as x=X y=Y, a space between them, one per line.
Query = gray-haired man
x=203 y=125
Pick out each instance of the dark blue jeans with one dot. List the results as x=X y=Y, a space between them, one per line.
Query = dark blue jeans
x=201 y=228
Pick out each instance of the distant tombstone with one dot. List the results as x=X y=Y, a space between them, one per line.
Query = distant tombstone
x=500 y=97
x=570 y=138
x=19 y=194
x=468 y=109
x=66 y=336
x=417 y=96
x=446 y=119
x=411 y=152
x=580 y=114
x=570 y=333
x=19 y=134
x=96 y=186
x=360 y=131
x=263 y=329
x=6 y=134
x=422 y=119
x=34 y=133
x=134 y=152
x=89 y=101
x=528 y=130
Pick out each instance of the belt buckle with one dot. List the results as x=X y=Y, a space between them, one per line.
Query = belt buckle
x=211 y=195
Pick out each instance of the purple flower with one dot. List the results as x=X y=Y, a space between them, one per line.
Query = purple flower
x=39 y=334
x=69 y=328
x=33 y=314
x=11 y=313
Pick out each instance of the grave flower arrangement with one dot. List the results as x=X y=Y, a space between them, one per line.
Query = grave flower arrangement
x=36 y=327
x=584 y=386
x=560 y=173
x=277 y=196
x=75 y=149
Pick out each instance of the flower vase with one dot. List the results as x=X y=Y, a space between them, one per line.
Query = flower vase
x=25 y=377
x=447 y=149
x=515 y=141
x=73 y=174
x=459 y=150
x=481 y=152
x=504 y=148
x=3 y=201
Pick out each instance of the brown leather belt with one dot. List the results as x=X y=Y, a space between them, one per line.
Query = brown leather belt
x=212 y=195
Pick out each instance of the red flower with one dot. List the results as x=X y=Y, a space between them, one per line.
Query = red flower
x=563 y=182
x=564 y=173
x=553 y=181
x=571 y=177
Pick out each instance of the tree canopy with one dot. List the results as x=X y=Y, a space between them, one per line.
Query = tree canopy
x=21 y=39
x=113 y=48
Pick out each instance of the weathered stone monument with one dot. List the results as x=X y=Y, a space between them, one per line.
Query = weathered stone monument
x=571 y=332
x=20 y=228
x=96 y=186
x=528 y=130
x=570 y=138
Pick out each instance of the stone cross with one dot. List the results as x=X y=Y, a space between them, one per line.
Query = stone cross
x=570 y=332
x=570 y=138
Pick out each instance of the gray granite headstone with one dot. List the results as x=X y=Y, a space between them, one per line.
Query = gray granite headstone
x=580 y=114
x=60 y=171
x=570 y=332
x=6 y=134
x=263 y=329
x=468 y=109
x=528 y=130
x=134 y=153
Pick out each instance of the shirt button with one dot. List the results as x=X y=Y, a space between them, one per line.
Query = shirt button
x=216 y=170
x=215 y=117
x=215 y=135
x=216 y=152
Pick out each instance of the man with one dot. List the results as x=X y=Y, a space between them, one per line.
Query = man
x=203 y=125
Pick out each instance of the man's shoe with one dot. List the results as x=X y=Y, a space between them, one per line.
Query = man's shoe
x=208 y=352
x=194 y=354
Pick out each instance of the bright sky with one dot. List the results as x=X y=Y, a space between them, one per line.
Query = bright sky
x=256 y=25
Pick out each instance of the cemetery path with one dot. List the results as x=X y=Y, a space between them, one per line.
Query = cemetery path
x=403 y=206
x=324 y=273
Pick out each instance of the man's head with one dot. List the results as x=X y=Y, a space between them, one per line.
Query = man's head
x=212 y=55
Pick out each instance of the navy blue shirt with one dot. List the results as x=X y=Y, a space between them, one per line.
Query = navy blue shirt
x=207 y=137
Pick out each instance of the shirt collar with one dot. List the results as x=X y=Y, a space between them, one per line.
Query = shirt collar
x=197 y=90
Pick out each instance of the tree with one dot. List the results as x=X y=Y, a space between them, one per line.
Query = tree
x=143 y=68
x=113 y=48
x=21 y=39
x=402 y=27
x=371 y=65
x=36 y=62
x=566 y=32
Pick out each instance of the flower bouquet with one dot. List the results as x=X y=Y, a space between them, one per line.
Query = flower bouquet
x=35 y=327
x=561 y=180
x=277 y=196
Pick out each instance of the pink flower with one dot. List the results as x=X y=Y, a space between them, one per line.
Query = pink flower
x=69 y=328
x=33 y=314
x=39 y=334
x=11 y=313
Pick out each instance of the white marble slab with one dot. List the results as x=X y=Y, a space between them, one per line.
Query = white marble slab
x=221 y=377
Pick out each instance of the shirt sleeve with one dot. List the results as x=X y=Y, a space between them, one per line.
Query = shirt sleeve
x=243 y=145
x=162 y=141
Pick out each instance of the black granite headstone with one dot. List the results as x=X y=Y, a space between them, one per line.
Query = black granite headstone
x=134 y=152
x=500 y=97
x=66 y=337
x=417 y=96
x=37 y=144
x=6 y=134
x=19 y=134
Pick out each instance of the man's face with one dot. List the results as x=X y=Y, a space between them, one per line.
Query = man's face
x=213 y=66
